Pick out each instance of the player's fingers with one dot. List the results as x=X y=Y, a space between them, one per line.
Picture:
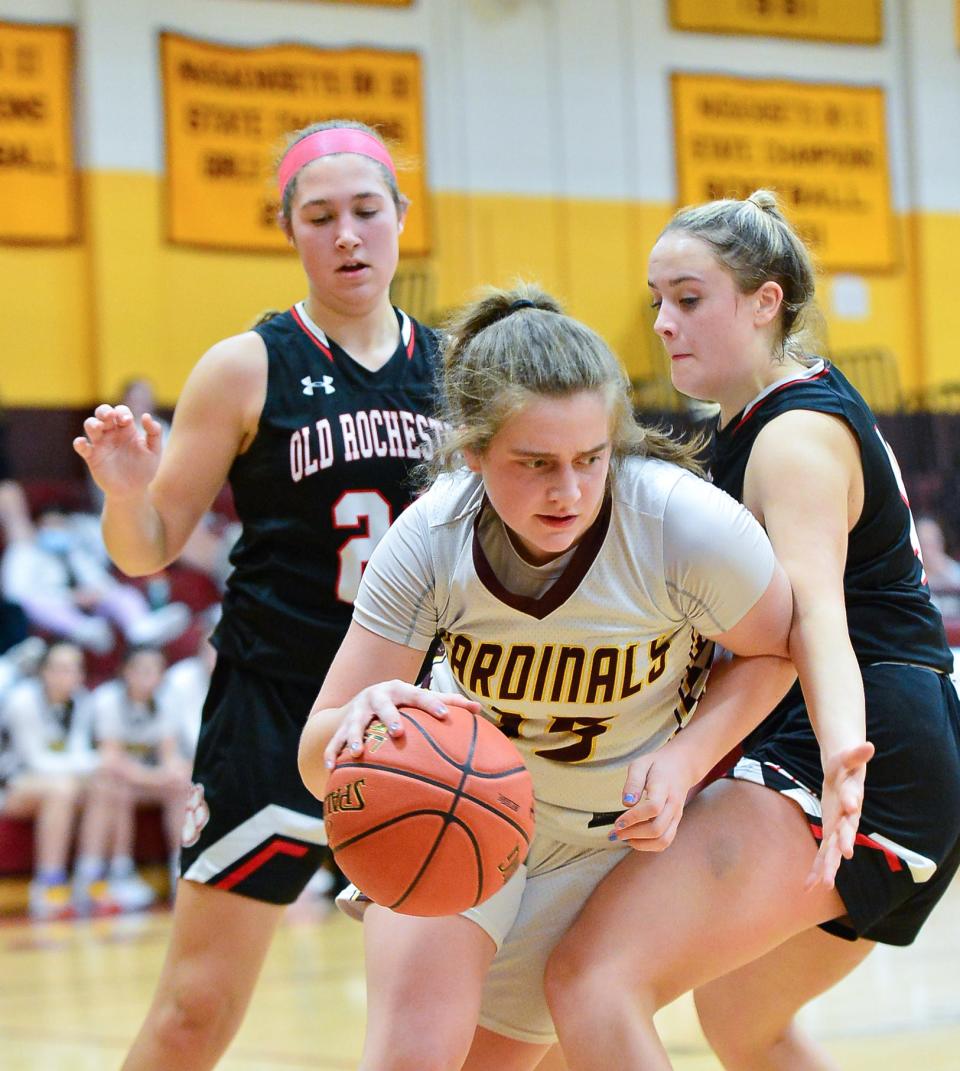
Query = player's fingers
x=332 y=751
x=154 y=431
x=95 y=428
x=400 y=693
x=630 y=826
x=455 y=699
x=847 y=836
x=661 y=840
x=825 y=865
x=634 y=787
x=646 y=801
x=82 y=446
x=647 y=809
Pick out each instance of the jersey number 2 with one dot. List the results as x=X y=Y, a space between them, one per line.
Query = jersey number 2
x=351 y=510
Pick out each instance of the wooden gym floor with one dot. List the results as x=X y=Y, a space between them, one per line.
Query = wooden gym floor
x=72 y=994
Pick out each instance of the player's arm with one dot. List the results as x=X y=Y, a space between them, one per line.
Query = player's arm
x=370 y=677
x=153 y=497
x=744 y=689
x=808 y=498
x=802 y=495
x=732 y=577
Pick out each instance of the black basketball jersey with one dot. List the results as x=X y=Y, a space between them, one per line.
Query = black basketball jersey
x=889 y=612
x=326 y=474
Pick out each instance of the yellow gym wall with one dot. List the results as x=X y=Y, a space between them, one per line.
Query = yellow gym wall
x=551 y=156
x=125 y=302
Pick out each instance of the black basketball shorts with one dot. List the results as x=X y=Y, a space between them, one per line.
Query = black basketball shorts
x=251 y=826
x=908 y=845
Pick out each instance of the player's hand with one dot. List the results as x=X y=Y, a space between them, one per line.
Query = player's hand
x=656 y=792
x=122 y=459
x=380 y=702
x=842 y=800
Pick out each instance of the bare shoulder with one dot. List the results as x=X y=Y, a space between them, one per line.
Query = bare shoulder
x=800 y=461
x=230 y=377
x=242 y=357
x=801 y=439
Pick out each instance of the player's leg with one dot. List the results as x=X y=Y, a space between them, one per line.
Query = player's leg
x=424 y=982
x=494 y=1052
x=729 y=889
x=748 y=1015
x=553 y=1060
x=253 y=837
x=516 y=1030
x=217 y=948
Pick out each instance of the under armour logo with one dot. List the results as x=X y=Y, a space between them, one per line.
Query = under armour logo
x=309 y=384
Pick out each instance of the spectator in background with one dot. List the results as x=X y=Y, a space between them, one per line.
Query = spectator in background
x=46 y=757
x=943 y=572
x=14 y=627
x=66 y=587
x=184 y=689
x=140 y=763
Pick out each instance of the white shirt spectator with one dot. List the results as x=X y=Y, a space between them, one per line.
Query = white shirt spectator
x=139 y=726
x=183 y=691
x=49 y=737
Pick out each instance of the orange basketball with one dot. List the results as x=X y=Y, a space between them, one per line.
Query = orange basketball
x=433 y=822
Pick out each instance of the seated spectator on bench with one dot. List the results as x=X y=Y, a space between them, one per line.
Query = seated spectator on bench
x=46 y=758
x=67 y=589
x=184 y=690
x=140 y=763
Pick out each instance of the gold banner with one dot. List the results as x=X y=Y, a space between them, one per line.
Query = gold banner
x=822 y=147
x=39 y=196
x=844 y=21
x=227 y=111
x=378 y=3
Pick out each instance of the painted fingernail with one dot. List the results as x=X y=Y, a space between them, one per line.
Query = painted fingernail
x=395 y=727
x=612 y=836
x=355 y=746
x=441 y=709
x=630 y=797
x=329 y=764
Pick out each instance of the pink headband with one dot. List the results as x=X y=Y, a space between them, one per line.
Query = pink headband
x=327 y=142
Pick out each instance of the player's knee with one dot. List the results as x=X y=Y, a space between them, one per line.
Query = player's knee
x=197 y=1013
x=727 y=1030
x=423 y=1053
x=572 y=983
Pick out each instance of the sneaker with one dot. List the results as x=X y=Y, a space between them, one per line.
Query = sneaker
x=131 y=893
x=161 y=626
x=94 y=898
x=49 y=902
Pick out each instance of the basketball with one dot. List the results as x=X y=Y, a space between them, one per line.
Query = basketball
x=435 y=821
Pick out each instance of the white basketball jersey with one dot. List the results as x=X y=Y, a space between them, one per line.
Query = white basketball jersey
x=610 y=661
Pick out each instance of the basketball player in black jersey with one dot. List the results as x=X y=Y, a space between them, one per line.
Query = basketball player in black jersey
x=316 y=416
x=742 y=907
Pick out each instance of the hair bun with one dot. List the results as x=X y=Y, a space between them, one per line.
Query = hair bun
x=765 y=200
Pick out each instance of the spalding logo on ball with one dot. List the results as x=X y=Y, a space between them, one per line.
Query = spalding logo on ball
x=435 y=821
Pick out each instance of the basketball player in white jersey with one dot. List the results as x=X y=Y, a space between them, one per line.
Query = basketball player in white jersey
x=577 y=572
